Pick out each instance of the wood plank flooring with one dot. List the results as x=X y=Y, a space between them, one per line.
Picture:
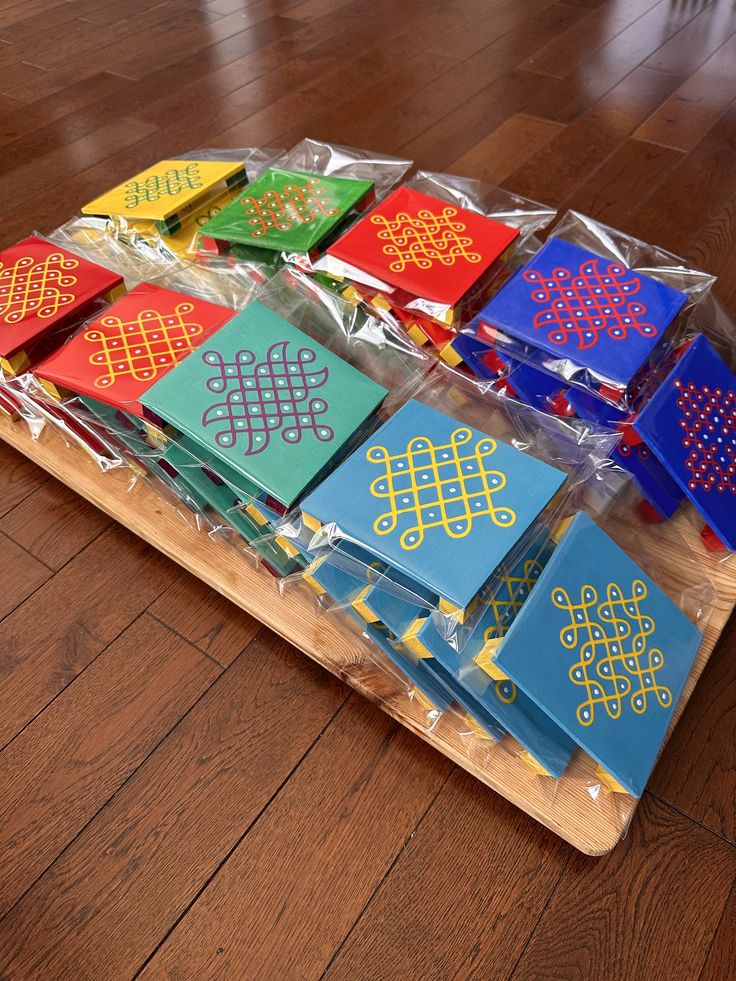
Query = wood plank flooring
x=182 y=795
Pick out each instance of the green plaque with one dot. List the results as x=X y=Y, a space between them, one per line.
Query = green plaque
x=286 y=211
x=272 y=403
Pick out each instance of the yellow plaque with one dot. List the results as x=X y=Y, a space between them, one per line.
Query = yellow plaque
x=183 y=240
x=165 y=189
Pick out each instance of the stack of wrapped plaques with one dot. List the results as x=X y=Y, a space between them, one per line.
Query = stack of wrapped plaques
x=689 y=423
x=437 y=504
x=574 y=332
x=171 y=200
x=603 y=652
x=284 y=213
x=432 y=263
x=268 y=409
x=45 y=292
x=117 y=356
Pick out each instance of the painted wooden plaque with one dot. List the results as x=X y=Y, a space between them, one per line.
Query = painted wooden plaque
x=269 y=400
x=435 y=499
x=285 y=210
x=573 y=304
x=603 y=651
x=690 y=424
x=42 y=288
x=424 y=246
x=165 y=189
x=117 y=357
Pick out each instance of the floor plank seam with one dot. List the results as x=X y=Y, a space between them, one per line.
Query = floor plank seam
x=99 y=654
x=115 y=793
x=715 y=208
x=251 y=825
x=219 y=664
x=543 y=910
x=693 y=820
x=386 y=874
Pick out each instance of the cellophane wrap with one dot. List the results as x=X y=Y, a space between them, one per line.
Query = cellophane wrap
x=319 y=158
x=529 y=217
x=670 y=554
x=648 y=260
x=580 y=450
x=141 y=244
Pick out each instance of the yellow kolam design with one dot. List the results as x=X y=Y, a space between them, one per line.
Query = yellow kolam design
x=38 y=287
x=447 y=486
x=142 y=347
x=425 y=239
x=616 y=664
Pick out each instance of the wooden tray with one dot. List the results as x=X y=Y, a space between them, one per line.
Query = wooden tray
x=572 y=806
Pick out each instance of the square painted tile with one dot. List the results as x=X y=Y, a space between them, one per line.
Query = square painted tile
x=603 y=651
x=166 y=189
x=435 y=499
x=272 y=403
x=42 y=288
x=285 y=210
x=424 y=246
x=117 y=357
x=571 y=303
x=690 y=425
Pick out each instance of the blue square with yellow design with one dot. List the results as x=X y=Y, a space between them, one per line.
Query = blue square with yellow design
x=603 y=651
x=436 y=499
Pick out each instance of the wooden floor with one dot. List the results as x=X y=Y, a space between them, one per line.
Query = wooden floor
x=181 y=794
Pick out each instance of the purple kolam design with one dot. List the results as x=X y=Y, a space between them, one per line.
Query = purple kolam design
x=265 y=397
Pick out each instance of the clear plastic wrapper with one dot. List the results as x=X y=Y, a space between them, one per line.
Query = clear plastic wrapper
x=383 y=357
x=648 y=453
x=430 y=320
x=574 y=454
x=144 y=244
x=333 y=590
x=444 y=658
x=288 y=220
x=574 y=317
x=499 y=715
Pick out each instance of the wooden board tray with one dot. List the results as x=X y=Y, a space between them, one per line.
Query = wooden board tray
x=572 y=807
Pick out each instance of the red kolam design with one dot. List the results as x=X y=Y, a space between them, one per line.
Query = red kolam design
x=119 y=356
x=43 y=286
x=580 y=306
x=709 y=423
x=427 y=247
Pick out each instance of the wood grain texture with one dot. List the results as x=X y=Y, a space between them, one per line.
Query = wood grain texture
x=698 y=773
x=483 y=874
x=20 y=575
x=510 y=145
x=70 y=760
x=721 y=960
x=53 y=524
x=586 y=144
x=621 y=108
x=205 y=619
x=19 y=477
x=693 y=193
x=123 y=883
x=362 y=761
x=648 y=910
x=683 y=119
x=66 y=623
